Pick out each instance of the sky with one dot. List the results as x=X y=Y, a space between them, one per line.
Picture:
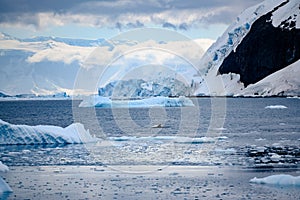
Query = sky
x=92 y=19
x=178 y=31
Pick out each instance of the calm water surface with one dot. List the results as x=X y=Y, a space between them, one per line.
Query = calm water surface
x=238 y=126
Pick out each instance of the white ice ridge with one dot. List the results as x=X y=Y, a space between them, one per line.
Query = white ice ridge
x=276 y=107
x=23 y=134
x=4 y=187
x=280 y=179
x=105 y=102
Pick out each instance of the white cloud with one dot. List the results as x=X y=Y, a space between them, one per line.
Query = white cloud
x=110 y=13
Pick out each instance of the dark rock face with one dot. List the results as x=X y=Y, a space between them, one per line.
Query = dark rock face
x=264 y=50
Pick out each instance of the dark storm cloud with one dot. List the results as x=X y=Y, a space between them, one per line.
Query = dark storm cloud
x=133 y=13
x=169 y=25
x=183 y=26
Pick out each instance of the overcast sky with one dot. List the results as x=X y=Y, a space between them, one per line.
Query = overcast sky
x=106 y=18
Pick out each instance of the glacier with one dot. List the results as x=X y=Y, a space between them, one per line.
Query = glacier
x=139 y=88
x=106 y=102
x=43 y=134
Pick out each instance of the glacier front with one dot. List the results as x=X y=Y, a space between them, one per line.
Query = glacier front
x=106 y=102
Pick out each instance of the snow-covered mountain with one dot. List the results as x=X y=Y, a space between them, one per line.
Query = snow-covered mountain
x=50 y=65
x=264 y=39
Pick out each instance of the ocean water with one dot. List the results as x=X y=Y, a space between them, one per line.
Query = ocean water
x=215 y=132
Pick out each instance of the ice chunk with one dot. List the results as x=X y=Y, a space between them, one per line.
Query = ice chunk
x=3 y=185
x=280 y=179
x=3 y=168
x=276 y=107
x=225 y=151
x=23 y=134
x=105 y=102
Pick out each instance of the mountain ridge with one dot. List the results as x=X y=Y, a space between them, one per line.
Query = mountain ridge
x=264 y=50
x=232 y=58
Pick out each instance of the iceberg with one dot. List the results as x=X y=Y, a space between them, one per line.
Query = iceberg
x=3 y=168
x=4 y=187
x=32 y=135
x=106 y=102
x=276 y=107
x=280 y=180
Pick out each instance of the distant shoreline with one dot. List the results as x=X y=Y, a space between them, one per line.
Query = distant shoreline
x=126 y=99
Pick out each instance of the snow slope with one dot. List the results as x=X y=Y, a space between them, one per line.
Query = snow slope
x=235 y=34
x=283 y=82
x=23 y=134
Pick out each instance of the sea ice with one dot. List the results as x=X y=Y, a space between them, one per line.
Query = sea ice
x=105 y=102
x=175 y=139
x=23 y=134
x=280 y=179
x=276 y=107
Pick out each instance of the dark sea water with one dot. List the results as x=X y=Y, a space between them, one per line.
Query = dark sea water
x=245 y=133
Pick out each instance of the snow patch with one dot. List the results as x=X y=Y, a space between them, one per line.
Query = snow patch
x=280 y=180
x=276 y=107
x=288 y=13
x=24 y=134
x=105 y=102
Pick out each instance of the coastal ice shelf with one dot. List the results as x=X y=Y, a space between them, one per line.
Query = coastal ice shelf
x=32 y=135
x=106 y=102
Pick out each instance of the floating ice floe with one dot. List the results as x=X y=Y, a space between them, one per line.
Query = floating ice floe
x=4 y=187
x=225 y=151
x=276 y=107
x=106 y=102
x=23 y=134
x=280 y=179
x=175 y=139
